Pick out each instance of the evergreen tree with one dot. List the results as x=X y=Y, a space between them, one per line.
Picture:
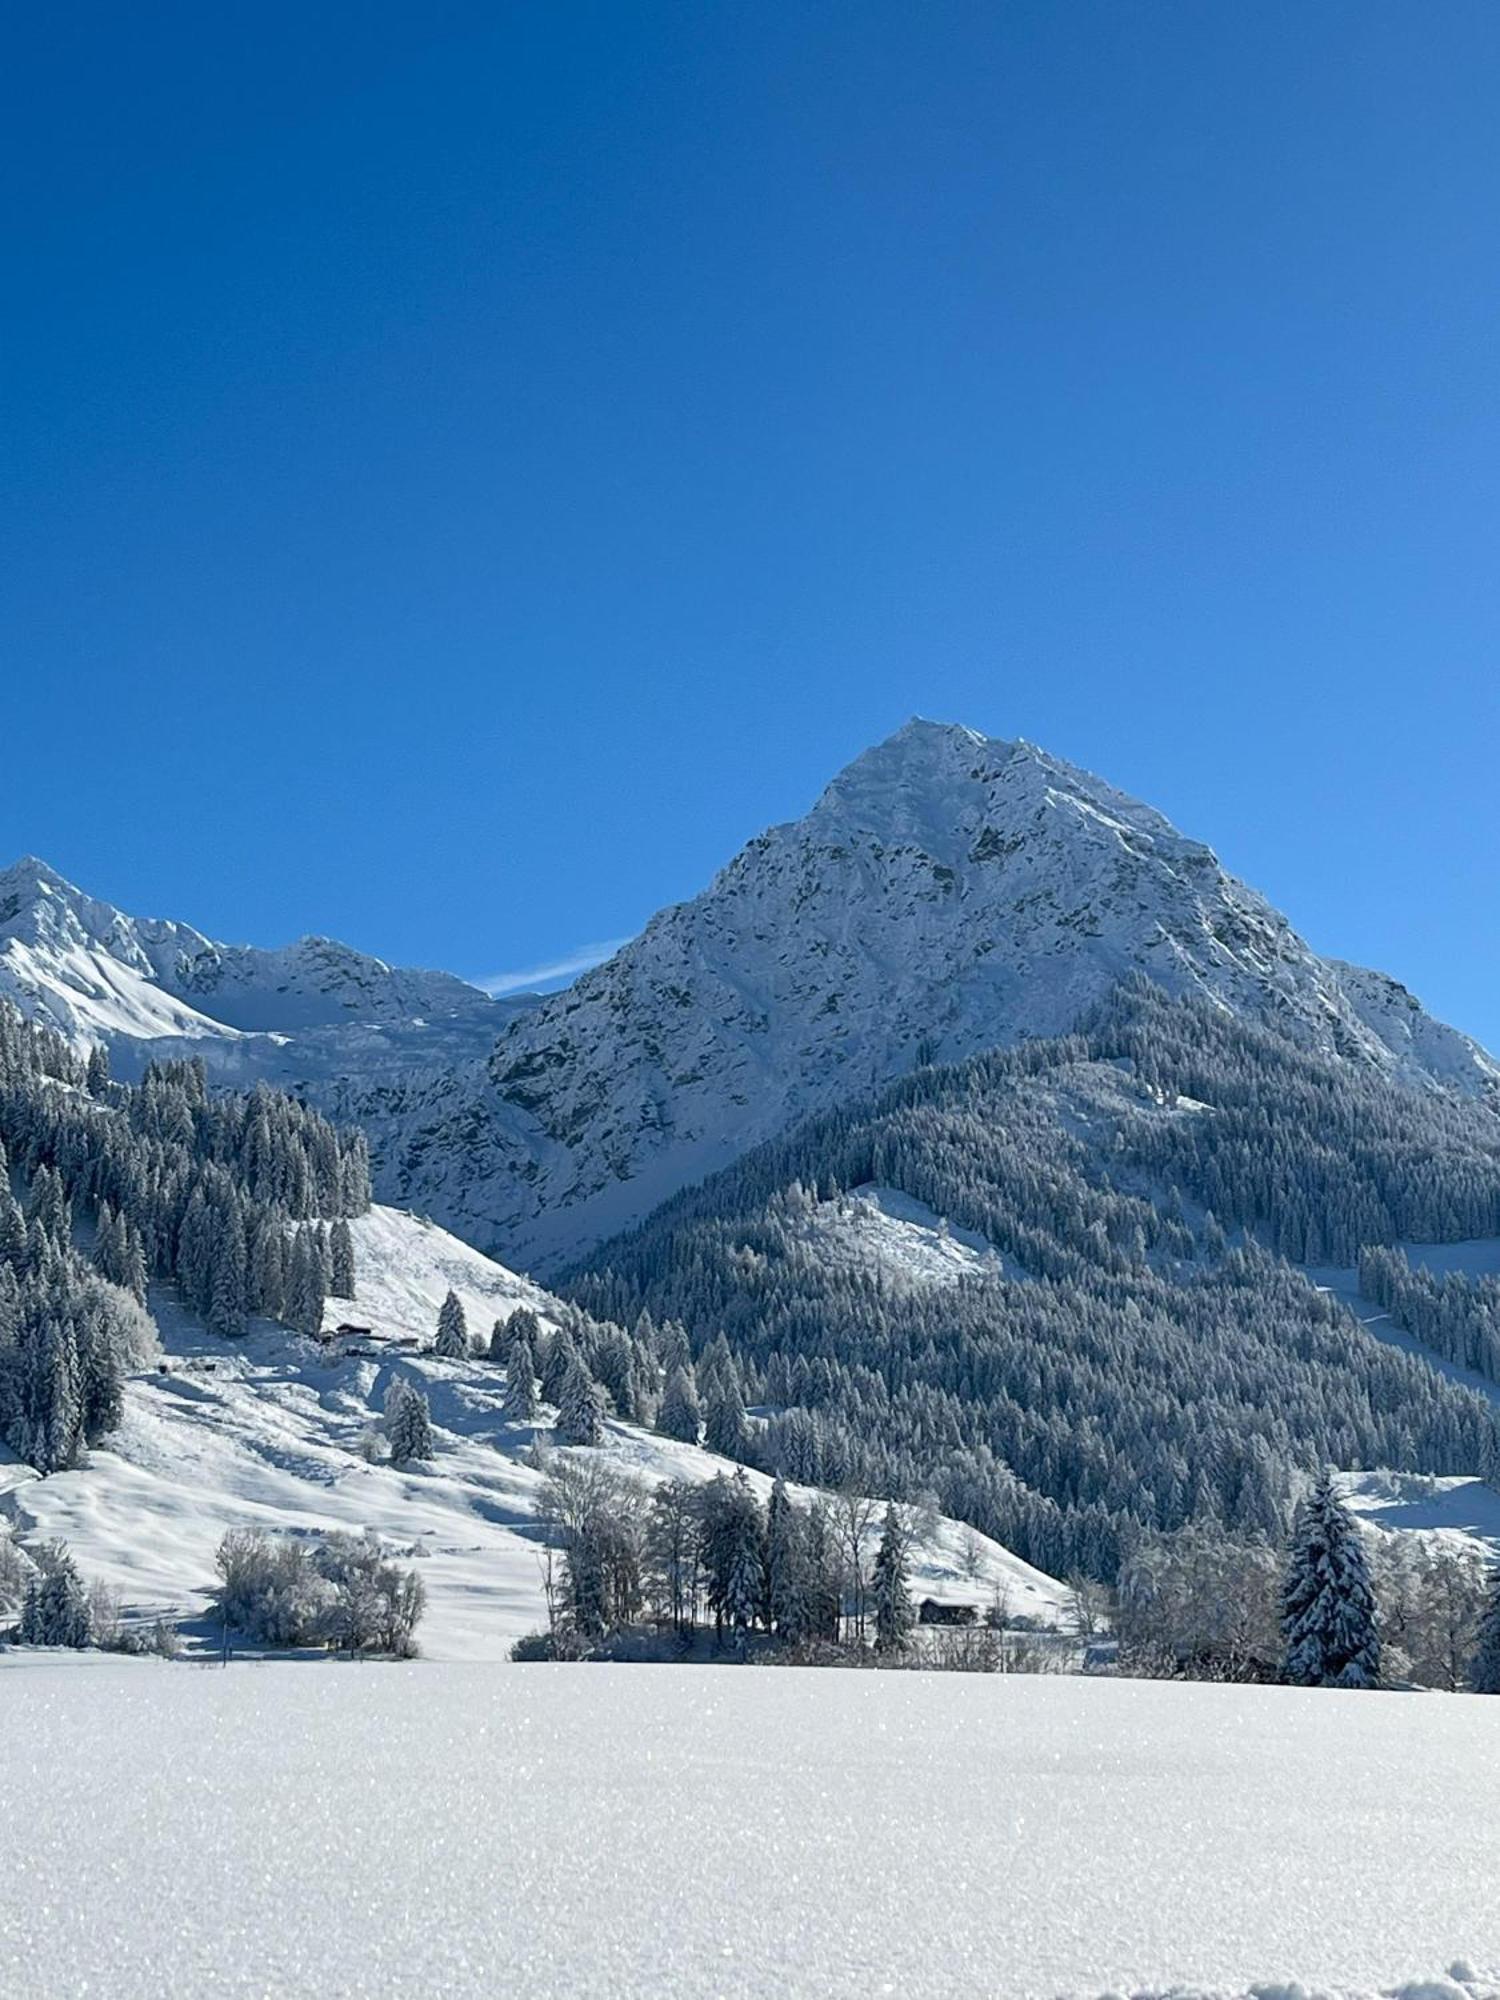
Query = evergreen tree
x=408 y=1422
x=894 y=1616
x=520 y=1404
x=680 y=1416
x=733 y=1553
x=56 y=1607
x=556 y=1364
x=452 y=1330
x=580 y=1408
x=96 y=1075
x=341 y=1254
x=788 y=1594
x=268 y=1266
x=225 y=1309
x=1484 y=1673
x=724 y=1428
x=522 y=1324
x=304 y=1288
x=1328 y=1609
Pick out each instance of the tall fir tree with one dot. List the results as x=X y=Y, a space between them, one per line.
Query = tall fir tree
x=680 y=1415
x=580 y=1408
x=894 y=1616
x=788 y=1596
x=408 y=1422
x=452 y=1330
x=520 y=1404
x=341 y=1255
x=1328 y=1619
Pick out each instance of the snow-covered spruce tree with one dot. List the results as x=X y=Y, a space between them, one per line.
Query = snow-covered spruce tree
x=56 y=1607
x=724 y=1428
x=304 y=1287
x=733 y=1554
x=1484 y=1672
x=680 y=1415
x=580 y=1408
x=788 y=1585
x=341 y=1255
x=408 y=1422
x=268 y=1265
x=894 y=1616
x=522 y=1324
x=1328 y=1617
x=555 y=1359
x=96 y=1073
x=520 y=1404
x=452 y=1330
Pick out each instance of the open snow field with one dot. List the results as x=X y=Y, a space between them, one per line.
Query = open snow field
x=369 y=1830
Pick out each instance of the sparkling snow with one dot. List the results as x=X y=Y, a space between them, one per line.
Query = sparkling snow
x=618 y=1831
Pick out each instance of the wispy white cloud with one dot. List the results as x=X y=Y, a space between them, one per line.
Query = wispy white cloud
x=579 y=959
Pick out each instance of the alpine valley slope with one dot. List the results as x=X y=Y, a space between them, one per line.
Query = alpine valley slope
x=266 y=1431
x=946 y=895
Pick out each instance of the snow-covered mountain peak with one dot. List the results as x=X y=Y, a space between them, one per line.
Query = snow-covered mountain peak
x=947 y=893
x=948 y=788
x=39 y=905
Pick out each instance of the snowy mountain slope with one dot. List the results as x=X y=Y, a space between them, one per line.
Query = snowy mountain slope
x=264 y=1431
x=945 y=895
x=302 y=1015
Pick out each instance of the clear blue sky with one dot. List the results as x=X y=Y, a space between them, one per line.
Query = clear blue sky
x=469 y=467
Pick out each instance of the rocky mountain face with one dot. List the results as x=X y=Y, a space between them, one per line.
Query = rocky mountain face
x=948 y=893
x=314 y=1015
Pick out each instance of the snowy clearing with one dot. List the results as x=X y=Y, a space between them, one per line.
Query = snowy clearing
x=1464 y=1514
x=263 y=1431
x=902 y=1238
x=676 y=1831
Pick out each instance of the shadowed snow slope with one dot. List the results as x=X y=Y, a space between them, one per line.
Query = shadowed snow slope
x=264 y=1432
x=686 y=1832
x=947 y=894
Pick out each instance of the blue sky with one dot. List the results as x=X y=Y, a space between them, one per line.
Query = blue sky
x=467 y=468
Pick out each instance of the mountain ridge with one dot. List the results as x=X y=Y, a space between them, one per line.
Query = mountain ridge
x=297 y=1015
x=947 y=892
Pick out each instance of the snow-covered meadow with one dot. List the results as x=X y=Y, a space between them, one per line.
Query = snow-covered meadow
x=373 y=1830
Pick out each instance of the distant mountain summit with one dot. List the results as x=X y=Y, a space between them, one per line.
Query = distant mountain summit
x=948 y=893
x=301 y=1016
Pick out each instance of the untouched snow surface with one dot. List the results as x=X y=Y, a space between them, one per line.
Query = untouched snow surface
x=620 y=1831
x=264 y=1432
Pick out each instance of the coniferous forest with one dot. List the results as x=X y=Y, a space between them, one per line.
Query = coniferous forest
x=1142 y=1348
x=104 y=1186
